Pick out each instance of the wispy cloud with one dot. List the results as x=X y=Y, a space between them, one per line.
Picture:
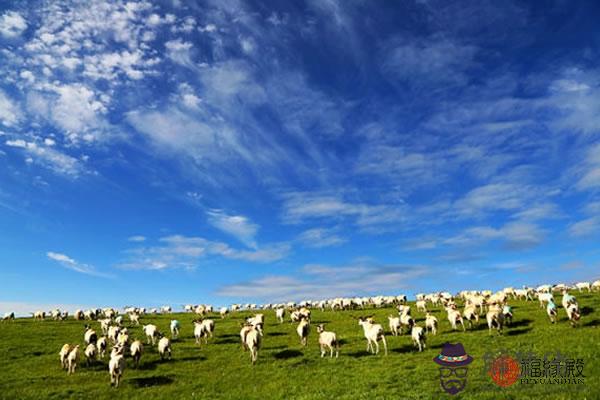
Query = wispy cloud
x=237 y=226
x=69 y=263
x=321 y=237
x=137 y=238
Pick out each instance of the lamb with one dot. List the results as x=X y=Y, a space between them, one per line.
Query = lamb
x=328 y=340
x=64 y=353
x=72 y=359
x=151 y=332
x=101 y=346
x=104 y=325
x=551 y=311
x=421 y=305
x=406 y=320
x=280 y=314
x=373 y=333
x=418 y=337
x=257 y=321
x=251 y=340
x=123 y=337
x=596 y=285
x=90 y=335
x=568 y=299
x=431 y=323
x=90 y=353
x=454 y=317
x=203 y=329
x=303 y=329
x=164 y=348
x=116 y=365
x=395 y=326
x=470 y=314
x=136 y=350
x=495 y=318
x=174 y=328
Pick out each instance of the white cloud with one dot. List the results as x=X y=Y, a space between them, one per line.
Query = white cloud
x=495 y=197
x=49 y=157
x=180 y=52
x=237 y=226
x=585 y=227
x=73 y=265
x=76 y=109
x=9 y=112
x=25 y=309
x=517 y=235
x=321 y=237
x=136 y=238
x=12 y=24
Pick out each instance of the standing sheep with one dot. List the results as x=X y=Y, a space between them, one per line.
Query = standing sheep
x=551 y=311
x=328 y=340
x=136 y=350
x=251 y=339
x=174 y=328
x=418 y=337
x=164 y=348
x=72 y=359
x=90 y=353
x=116 y=365
x=151 y=332
x=101 y=346
x=303 y=329
x=431 y=323
x=395 y=326
x=373 y=333
x=64 y=353
x=280 y=314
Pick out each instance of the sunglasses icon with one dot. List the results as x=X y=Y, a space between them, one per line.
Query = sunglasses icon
x=446 y=372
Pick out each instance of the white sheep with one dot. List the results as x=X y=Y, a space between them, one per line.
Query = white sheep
x=151 y=332
x=134 y=318
x=174 y=328
x=431 y=323
x=72 y=359
x=418 y=337
x=552 y=311
x=113 y=333
x=251 y=339
x=373 y=333
x=303 y=330
x=495 y=319
x=545 y=297
x=9 y=316
x=584 y=285
x=223 y=311
x=406 y=320
x=328 y=340
x=164 y=348
x=101 y=346
x=454 y=318
x=116 y=365
x=573 y=314
x=64 y=353
x=136 y=351
x=421 y=305
x=90 y=353
x=90 y=335
x=280 y=314
x=395 y=326
x=470 y=314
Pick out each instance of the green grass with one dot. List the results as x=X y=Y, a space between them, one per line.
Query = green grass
x=30 y=369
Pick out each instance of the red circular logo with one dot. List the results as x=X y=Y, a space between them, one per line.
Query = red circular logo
x=504 y=370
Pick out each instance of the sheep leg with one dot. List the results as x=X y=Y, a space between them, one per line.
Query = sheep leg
x=384 y=344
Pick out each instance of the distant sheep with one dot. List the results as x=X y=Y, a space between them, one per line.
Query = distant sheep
x=151 y=332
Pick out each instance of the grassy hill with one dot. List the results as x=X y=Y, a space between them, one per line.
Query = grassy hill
x=30 y=369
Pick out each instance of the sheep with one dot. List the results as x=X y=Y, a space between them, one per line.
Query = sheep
x=164 y=348
x=421 y=305
x=119 y=320
x=136 y=350
x=257 y=321
x=395 y=326
x=303 y=330
x=78 y=315
x=584 y=285
x=123 y=337
x=174 y=328
x=9 y=317
x=72 y=359
x=116 y=365
x=134 y=318
x=203 y=329
x=431 y=323
x=406 y=320
x=551 y=311
x=41 y=315
x=328 y=340
x=64 y=353
x=251 y=339
x=223 y=311
x=418 y=337
x=573 y=314
x=151 y=332
x=595 y=285
x=280 y=314
x=104 y=325
x=454 y=317
x=373 y=333
x=101 y=346
x=568 y=299
x=90 y=353
x=508 y=314
x=545 y=297
x=470 y=314
x=90 y=335
x=495 y=318
x=113 y=333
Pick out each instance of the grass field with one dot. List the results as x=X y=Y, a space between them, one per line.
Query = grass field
x=30 y=369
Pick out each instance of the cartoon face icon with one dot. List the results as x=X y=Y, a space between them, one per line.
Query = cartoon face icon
x=453 y=362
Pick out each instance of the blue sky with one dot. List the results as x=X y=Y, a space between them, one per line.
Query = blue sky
x=223 y=151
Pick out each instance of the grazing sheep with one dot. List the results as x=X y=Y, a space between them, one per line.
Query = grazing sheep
x=545 y=297
x=64 y=353
x=164 y=348
x=470 y=314
x=495 y=319
x=116 y=365
x=568 y=299
x=303 y=329
x=584 y=285
x=418 y=337
x=431 y=323
x=508 y=314
x=41 y=315
x=223 y=311
x=72 y=359
x=454 y=318
x=573 y=314
x=134 y=318
x=280 y=314
x=373 y=333
x=328 y=340
x=101 y=346
x=90 y=353
x=78 y=315
x=395 y=326
x=90 y=335
x=551 y=311
x=136 y=350
x=251 y=339
x=174 y=328
x=9 y=317
x=151 y=332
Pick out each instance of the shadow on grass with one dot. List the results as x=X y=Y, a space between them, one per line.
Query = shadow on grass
x=521 y=331
x=228 y=341
x=520 y=322
x=151 y=381
x=403 y=349
x=285 y=354
x=146 y=366
x=586 y=310
x=594 y=322
x=275 y=334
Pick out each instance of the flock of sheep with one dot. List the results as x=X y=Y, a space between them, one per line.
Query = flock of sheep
x=498 y=313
